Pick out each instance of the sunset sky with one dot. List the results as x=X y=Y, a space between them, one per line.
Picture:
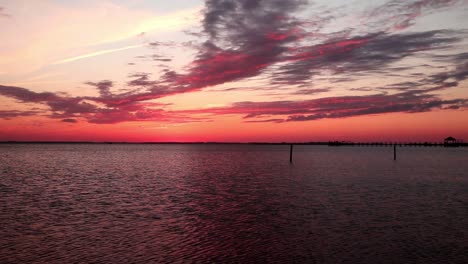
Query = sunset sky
x=233 y=70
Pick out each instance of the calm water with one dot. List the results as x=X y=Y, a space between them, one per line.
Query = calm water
x=232 y=203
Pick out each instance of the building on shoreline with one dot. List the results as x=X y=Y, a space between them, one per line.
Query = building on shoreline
x=451 y=142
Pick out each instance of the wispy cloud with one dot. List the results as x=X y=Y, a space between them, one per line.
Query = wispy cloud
x=14 y=113
x=400 y=14
x=62 y=28
x=334 y=107
x=96 y=53
x=66 y=108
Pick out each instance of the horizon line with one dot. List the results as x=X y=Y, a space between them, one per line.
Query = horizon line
x=331 y=142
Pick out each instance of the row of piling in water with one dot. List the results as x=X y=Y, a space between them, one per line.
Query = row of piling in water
x=401 y=144
x=385 y=144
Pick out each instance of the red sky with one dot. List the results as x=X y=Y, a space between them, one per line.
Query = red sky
x=235 y=71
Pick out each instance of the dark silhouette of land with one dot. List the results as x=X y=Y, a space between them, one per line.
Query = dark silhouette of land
x=327 y=143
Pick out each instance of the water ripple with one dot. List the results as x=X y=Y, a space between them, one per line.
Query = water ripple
x=231 y=204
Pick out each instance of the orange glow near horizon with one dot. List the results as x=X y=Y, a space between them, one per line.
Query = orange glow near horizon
x=402 y=128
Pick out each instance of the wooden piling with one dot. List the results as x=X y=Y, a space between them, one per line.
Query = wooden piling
x=290 y=153
x=394 y=152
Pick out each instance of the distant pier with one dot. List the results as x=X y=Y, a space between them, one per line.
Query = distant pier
x=400 y=144
x=448 y=142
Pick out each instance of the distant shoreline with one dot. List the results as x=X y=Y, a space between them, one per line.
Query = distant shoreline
x=328 y=143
